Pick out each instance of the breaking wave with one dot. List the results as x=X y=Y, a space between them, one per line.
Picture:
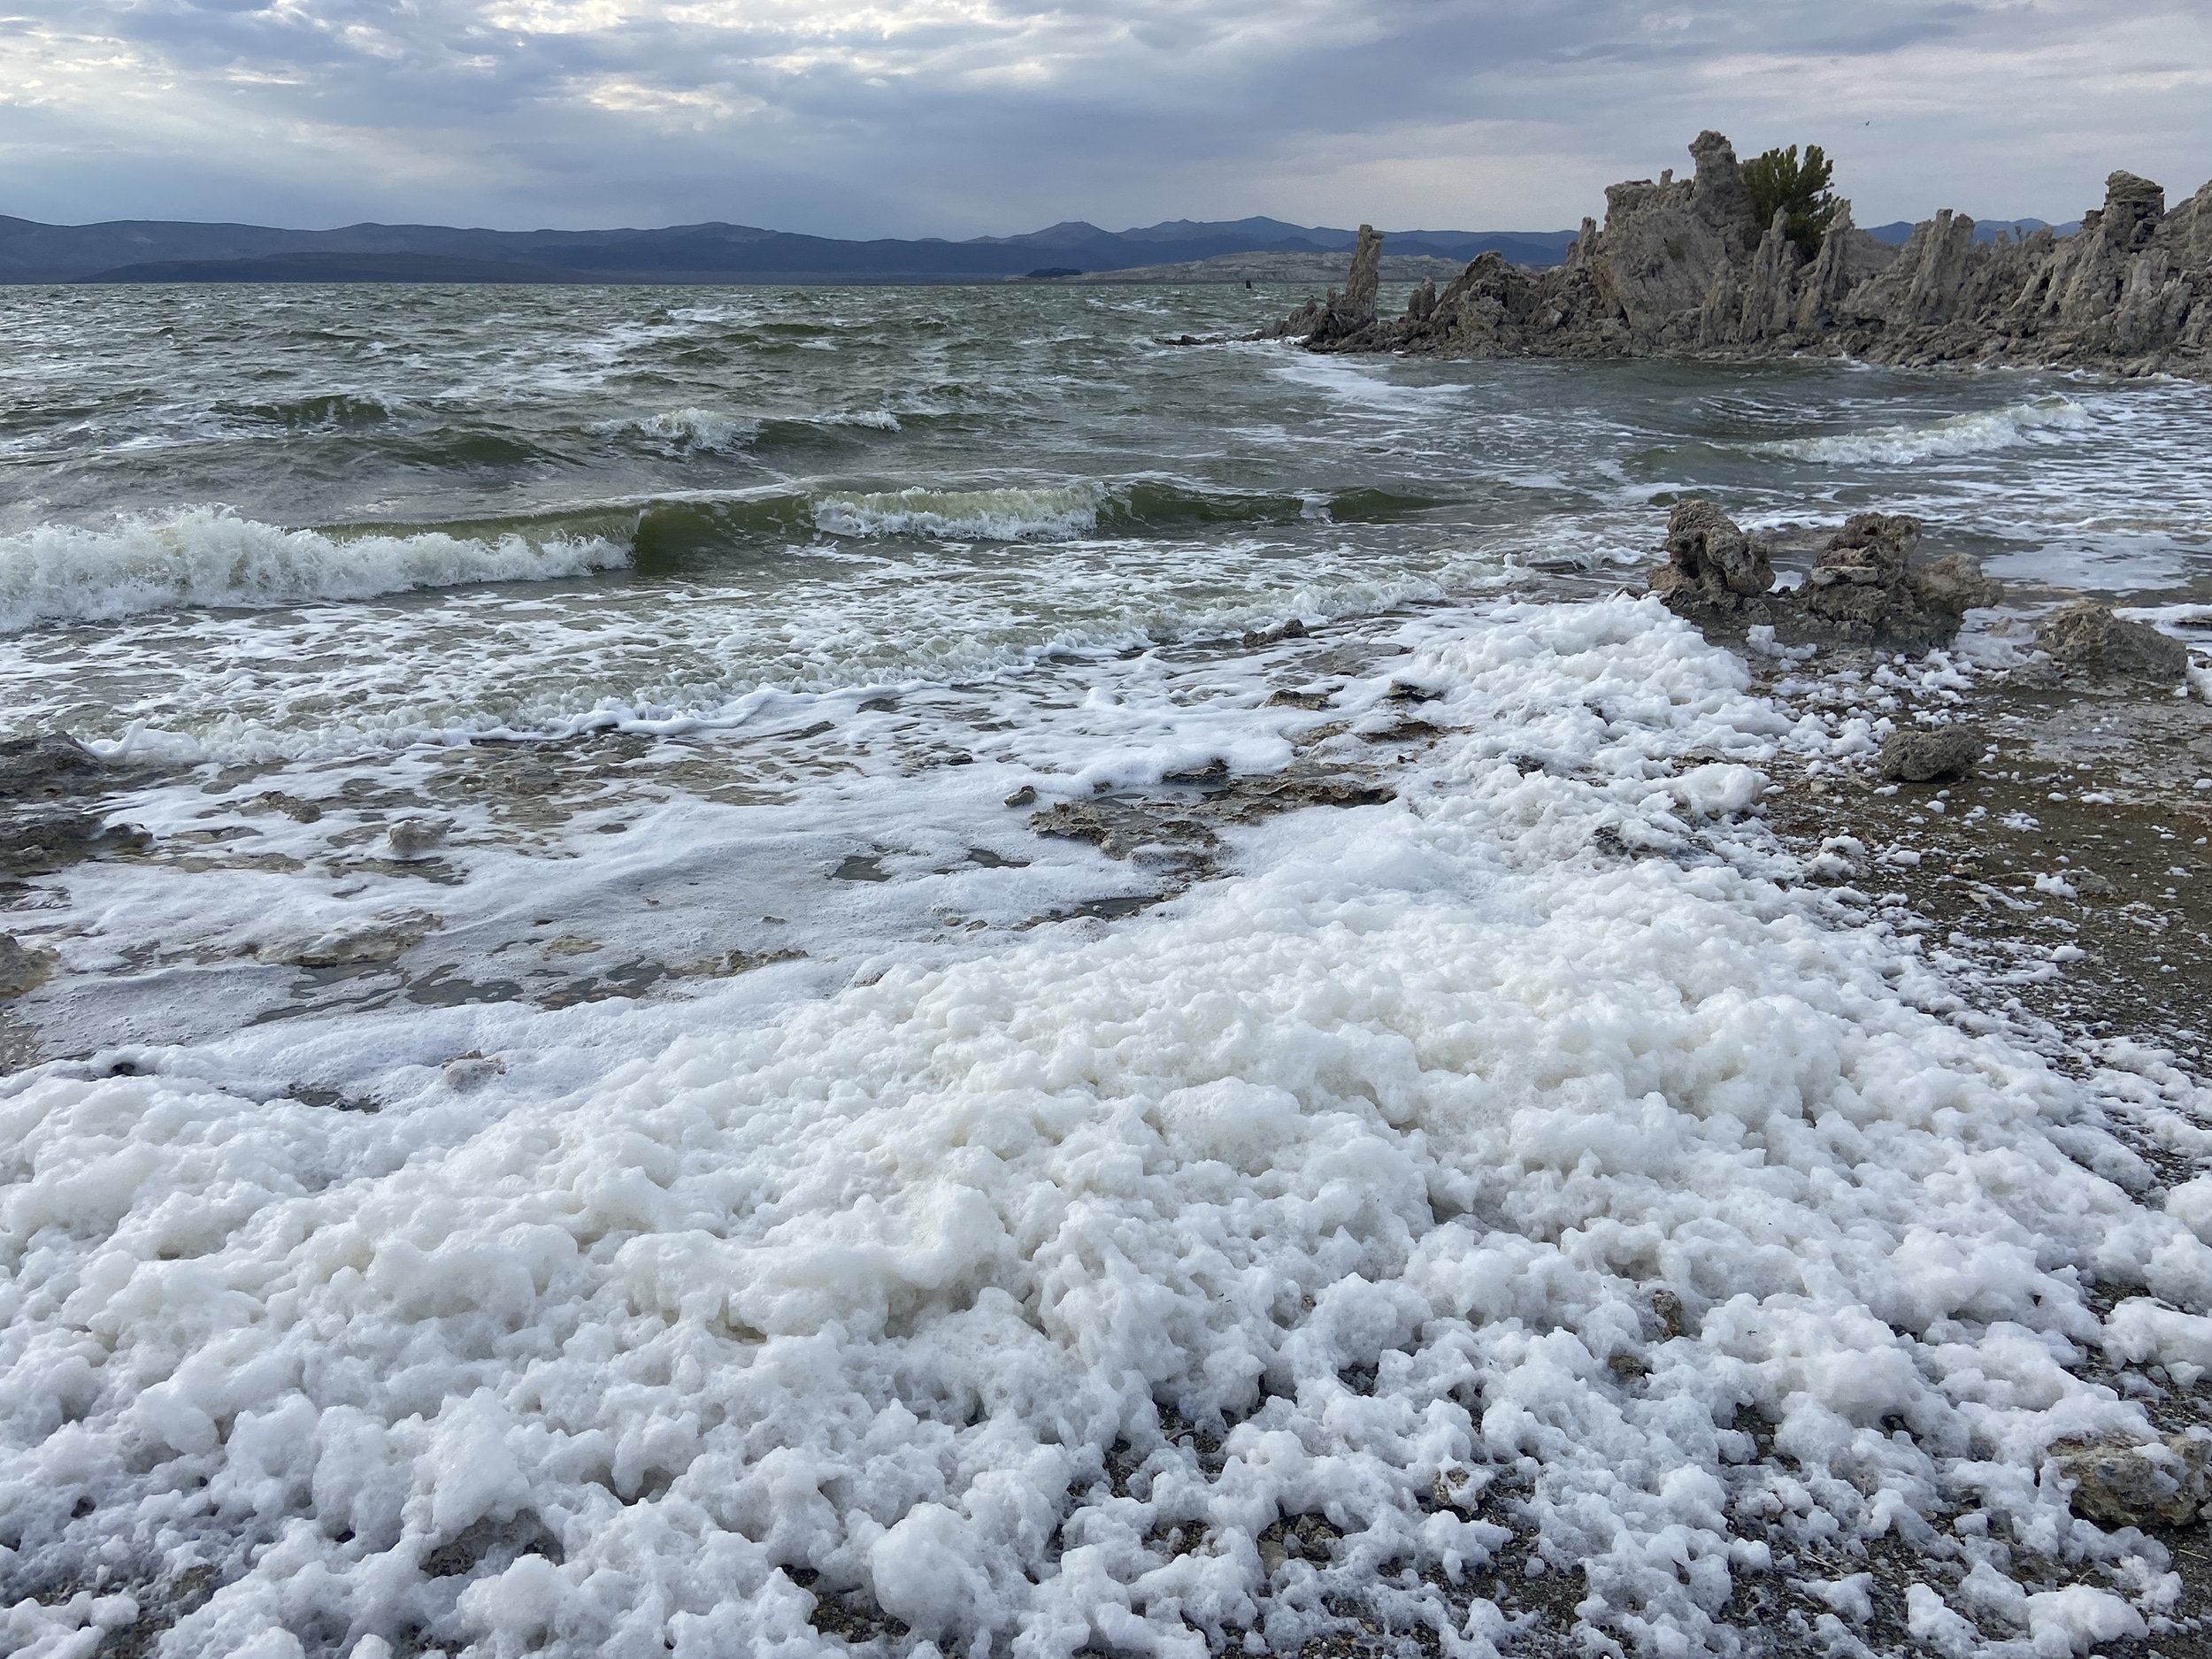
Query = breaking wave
x=207 y=556
x=965 y=515
x=711 y=432
x=699 y=429
x=1955 y=435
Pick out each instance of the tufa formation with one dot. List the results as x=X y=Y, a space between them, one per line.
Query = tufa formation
x=1864 y=587
x=1682 y=268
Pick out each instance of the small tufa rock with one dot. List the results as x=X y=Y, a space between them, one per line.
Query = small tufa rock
x=1709 y=554
x=1921 y=755
x=472 y=1070
x=2156 y=1483
x=1293 y=629
x=21 y=970
x=276 y=801
x=2088 y=637
x=1864 y=588
x=1024 y=797
x=376 y=939
x=411 y=837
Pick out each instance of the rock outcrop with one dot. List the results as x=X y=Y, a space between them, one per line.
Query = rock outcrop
x=1864 y=587
x=1680 y=268
x=1341 y=318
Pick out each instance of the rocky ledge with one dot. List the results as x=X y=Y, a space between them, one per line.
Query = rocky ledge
x=1682 y=268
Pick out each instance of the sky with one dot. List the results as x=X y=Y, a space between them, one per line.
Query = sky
x=965 y=118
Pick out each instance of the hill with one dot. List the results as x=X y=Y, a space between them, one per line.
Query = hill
x=154 y=250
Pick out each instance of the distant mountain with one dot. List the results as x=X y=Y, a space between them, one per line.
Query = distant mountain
x=1899 y=232
x=1260 y=266
x=156 y=251
x=334 y=267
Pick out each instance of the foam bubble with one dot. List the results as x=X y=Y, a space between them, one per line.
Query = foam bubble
x=209 y=557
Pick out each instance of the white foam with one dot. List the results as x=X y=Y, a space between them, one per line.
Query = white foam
x=1370 y=1159
x=971 y=515
x=700 y=428
x=2042 y=419
x=209 y=557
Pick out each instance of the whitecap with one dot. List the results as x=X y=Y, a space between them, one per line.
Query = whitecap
x=699 y=428
x=2040 y=420
x=965 y=515
x=209 y=557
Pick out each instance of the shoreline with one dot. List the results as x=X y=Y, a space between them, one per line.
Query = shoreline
x=1573 y=839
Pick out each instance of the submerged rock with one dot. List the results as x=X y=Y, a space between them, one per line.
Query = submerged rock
x=411 y=837
x=21 y=970
x=39 y=834
x=1125 y=829
x=50 y=767
x=45 y=840
x=378 y=939
x=2086 y=637
x=1922 y=756
x=1294 y=629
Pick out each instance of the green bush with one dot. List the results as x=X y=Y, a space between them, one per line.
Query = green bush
x=1778 y=179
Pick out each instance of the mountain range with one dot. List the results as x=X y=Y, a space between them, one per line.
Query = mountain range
x=167 y=250
x=159 y=250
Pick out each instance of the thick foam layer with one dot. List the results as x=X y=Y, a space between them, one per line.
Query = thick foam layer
x=1445 y=1147
x=204 y=555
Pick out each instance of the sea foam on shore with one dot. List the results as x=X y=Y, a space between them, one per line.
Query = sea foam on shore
x=1440 y=1149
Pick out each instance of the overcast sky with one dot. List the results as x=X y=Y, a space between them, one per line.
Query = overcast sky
x=961 y=117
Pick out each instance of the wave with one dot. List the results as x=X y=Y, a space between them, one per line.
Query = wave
x=699 y=429
x=316 y=411
x=1050 y=513
x=209 y=557
x=1056 y=514
x=712 y=432
x=1957 y=434
x=666 y=537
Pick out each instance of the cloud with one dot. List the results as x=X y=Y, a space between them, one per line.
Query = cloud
x=969 y=116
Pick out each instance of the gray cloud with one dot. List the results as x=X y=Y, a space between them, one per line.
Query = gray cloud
x=967 y=117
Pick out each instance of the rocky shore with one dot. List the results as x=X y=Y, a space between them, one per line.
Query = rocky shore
x=1684 y=268
x=2028 y=818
